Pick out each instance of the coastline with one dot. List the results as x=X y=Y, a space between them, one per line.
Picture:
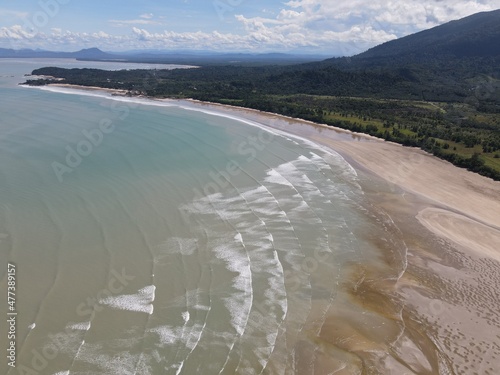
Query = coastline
x=88 y=88
x=410 y=168
x=451 y=219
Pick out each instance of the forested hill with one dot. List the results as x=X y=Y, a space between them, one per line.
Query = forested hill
x=444 y=63
x=469 y=45
x=476 y=35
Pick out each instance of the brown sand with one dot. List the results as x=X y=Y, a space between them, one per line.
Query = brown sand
x=477 y=237
x=417 y=171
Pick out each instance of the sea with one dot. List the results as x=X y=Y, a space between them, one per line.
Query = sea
x=163 y=237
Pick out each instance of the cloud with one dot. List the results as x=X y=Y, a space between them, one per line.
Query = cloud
x=16 y=33
x=193 y=40
x=141 y=21
x=20 y=38
x=341 y=27
x=144 y=19
x=351 y=26
x=13 y=13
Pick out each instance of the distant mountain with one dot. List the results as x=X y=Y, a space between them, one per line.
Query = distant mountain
x=209 y=58
x=93 y=53
x=167 y=57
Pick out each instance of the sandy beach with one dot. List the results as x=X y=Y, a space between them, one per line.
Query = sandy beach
x=447 y=300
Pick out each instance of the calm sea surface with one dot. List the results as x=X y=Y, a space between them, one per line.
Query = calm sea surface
x=153 y=239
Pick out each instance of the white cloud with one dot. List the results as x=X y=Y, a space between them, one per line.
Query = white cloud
x=16 y=32
x=19 y=38
x=351 y=26
x=122 y=23
x=13 y=13
x=340 y=27
x=194 y=40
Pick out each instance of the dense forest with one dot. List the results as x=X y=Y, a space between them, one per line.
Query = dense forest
x=438 y=90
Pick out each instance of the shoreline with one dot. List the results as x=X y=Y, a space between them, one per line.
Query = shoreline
x=86 y=88
x=451 y=218
x=393 y=171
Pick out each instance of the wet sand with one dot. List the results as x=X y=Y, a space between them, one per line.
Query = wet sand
x=443 y=312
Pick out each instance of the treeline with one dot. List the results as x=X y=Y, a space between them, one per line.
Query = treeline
x=430 y=83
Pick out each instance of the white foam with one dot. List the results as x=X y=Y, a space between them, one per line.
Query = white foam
x=240 y=303
x=293 y=174
x=169 y=335
x=318 y=160
x=85 y=326
x=140 y=302
x=73 y=91
x=202 y=308
x=62 y=373
x=253 y=194
x=275 y=177
x=79 y=349
x=181 y=365
x=248 y=214
x=186 y=316
x=234 y=259
x=122 y=361
x=227 y=208
x=32 y=326
x=331 y=157
x=254 y=213
x=192 y=299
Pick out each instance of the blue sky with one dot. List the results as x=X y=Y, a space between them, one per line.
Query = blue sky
x=332 y=27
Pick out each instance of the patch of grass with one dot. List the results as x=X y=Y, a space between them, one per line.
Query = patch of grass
x=353 y=119
x=491 y=161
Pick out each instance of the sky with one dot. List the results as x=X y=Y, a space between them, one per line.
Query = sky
x=328 y=27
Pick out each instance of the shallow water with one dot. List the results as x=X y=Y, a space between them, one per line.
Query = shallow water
x=153 y=239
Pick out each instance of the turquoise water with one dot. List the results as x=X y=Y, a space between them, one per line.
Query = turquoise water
x=153 y=239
